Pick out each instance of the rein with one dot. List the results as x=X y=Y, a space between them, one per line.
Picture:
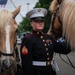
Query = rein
x=70 y=63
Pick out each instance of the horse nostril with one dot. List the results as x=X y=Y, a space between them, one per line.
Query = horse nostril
x=4 y=63
x=7 y=64
x=11 y=62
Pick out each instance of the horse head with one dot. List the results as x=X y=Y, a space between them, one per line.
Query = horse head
x=56 y=24
x=62 y=20
x=8 y=29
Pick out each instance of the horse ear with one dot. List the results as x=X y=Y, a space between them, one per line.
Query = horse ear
x=16 y=11
x=54 y=4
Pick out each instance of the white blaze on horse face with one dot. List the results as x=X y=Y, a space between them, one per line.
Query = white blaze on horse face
x=7 y=39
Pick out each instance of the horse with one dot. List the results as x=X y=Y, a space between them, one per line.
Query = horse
x=63 y=21
x=8 y=30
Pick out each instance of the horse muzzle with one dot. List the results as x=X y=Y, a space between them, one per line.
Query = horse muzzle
x=7 y=64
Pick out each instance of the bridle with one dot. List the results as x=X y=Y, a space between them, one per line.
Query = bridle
x=6 y=54
x=54 y=15
x=9 y=54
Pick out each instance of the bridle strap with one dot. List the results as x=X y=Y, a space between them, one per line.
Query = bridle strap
x=59 y=20
x=6 y=54
x=55 y=14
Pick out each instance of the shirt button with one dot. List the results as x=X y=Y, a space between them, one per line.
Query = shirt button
x=37 y=32
x=47 y=58
x=45 y=44
x=47 y=53
x=48 y=63
x=46 y=49
x=43 y=40
x=41 y=37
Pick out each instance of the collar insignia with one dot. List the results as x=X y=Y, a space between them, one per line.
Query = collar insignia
x=39 y=10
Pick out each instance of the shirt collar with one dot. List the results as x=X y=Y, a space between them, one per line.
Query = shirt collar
x=37 y=32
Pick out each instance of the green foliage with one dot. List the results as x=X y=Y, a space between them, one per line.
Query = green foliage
x=25 y=24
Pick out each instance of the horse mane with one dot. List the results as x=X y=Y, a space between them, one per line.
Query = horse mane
x=68 y=12
x=5 y=16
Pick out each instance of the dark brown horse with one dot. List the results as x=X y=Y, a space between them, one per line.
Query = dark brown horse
x=63 y=20
x=8 y=28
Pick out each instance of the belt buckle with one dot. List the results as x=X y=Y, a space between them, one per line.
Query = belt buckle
x=48 y=63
